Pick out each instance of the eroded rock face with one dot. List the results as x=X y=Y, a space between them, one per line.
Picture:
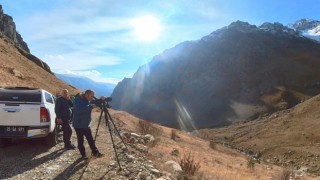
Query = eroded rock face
x=9 y=32
x=239 y=72
x=8 y=28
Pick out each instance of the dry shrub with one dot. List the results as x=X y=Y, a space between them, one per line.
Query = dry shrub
x=188 y=165
x=174 y=135
x=213 y=145
x=126 y=137
x=145 y=127
x=251 y=162
x=286 y=174
x=154 y=143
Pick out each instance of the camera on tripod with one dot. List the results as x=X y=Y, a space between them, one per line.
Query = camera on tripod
x=102 y=101
x=104 y=105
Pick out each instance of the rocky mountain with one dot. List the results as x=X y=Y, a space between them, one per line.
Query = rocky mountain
x=9 y=33
x=287 y=138
x=308 y=28
x=236 y=73
x=17 y=70
x=20 y=68
x=84 y=83
x=8 y=28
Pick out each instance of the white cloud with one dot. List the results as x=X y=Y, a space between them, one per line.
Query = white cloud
x=92 y=74
x=79 y=61
x=83 y=35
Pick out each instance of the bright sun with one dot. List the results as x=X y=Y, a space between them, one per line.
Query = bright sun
x=146 y=28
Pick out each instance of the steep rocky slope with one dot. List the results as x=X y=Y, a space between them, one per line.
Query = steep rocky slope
x=9 y=34
x=17 y=70
x=8 y=29
x=289 y=138
x=236 y=73
x=308 y=28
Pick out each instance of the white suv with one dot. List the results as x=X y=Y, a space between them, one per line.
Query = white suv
x=27 y=113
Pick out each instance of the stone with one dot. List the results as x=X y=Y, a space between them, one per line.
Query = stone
x=176 y=166
x=135 y=135
x=130 y=158
x=155 y=171
x=17 y=73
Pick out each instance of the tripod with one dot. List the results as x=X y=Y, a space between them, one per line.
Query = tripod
x=108 y=119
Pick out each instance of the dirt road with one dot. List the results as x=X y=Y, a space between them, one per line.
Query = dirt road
x=31 y=159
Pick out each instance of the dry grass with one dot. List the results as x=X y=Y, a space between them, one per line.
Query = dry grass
x=145 y=127
x=33 y=75
x=213 y=145
x=174 y=135
x=290 y=136
x=217 y=163
x=189 y=165
x=154 y=143
x=251 y=163
x=286 y=174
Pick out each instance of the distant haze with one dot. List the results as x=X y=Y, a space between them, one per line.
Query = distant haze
x=84 y=83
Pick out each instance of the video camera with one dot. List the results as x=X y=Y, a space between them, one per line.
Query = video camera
x=101 y=101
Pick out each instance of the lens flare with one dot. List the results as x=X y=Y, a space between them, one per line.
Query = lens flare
x=185 y=120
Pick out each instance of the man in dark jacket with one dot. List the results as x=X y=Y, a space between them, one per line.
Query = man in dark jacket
x=63 y=113
x=82 y=120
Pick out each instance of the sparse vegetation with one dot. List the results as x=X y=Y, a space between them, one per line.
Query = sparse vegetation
x=213 y=145
x=189 y=166
x=145 y=127
x=154 y=143
x=251 y=163
x=286 y=174
x=174 y=135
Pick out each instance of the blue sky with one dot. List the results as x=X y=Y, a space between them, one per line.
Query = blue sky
x=107 y=40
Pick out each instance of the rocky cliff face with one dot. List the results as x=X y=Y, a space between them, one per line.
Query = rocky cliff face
x=8 y=32
x=305 y=24
x=308 y=28
x=8 y=28
x=236 y=73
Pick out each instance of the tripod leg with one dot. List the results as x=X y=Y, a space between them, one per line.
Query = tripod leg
x=114 y=147
x=115 y=127
x=95 y=137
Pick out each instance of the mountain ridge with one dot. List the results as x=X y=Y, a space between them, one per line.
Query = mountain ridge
x=230 y=55
x=83 y=83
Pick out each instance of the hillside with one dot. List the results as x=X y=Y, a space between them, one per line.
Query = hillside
x=142 y=160
x=238 y=72
x=17 y=70
x=288 y=138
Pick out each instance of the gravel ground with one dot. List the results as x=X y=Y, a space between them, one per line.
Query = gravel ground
x=31 y=159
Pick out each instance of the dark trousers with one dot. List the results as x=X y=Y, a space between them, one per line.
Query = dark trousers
x=85 y=132
x=67 y=132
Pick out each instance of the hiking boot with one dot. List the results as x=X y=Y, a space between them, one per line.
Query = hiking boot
x=84 y=158
x=69 y=147
x=97 y=154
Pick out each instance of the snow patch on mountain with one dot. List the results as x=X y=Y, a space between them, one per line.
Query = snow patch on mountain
x=312 y=33
x=308 y=28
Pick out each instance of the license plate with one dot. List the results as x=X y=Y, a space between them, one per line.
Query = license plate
x=13 y=131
